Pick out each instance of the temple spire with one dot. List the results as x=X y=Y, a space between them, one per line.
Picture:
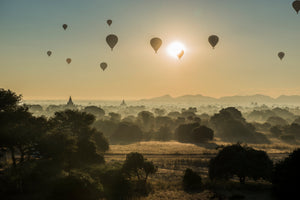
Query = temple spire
x=70 y=102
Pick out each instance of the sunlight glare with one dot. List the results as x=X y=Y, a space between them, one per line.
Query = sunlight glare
x=175 y=48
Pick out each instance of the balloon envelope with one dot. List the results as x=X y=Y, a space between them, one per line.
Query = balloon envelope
x=180 y=54
x=103 y=66
x=213 y=40
x=281 y=55
x=109 y=22
x=49 y=53
x=156 y=43
x=112 y=40
x=68 y=60
x=65 y=26
x=296 y=6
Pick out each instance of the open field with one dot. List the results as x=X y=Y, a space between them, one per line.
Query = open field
x=172 y=158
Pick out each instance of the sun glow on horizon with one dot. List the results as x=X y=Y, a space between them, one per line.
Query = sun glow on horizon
x=175 y=48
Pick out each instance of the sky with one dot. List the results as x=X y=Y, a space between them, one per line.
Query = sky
x=244 y=62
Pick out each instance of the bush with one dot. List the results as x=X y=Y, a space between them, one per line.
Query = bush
x=286 y=176
x=192 y=181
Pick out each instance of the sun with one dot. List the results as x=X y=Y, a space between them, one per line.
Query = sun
x=176 y=49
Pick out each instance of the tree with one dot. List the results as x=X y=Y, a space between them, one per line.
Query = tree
x=116 y=117
x=230 y=126
x=202 y=134
x=136 y=166
x=126 y=132
x=276 y=131
x=9 y=100
x=163 y=134
x=19 y=130
x=146 y=120
x=241 y=161
x=159 y=112
x=286 y=176
x=277 y=121
x=94 y=110
x=183 y=132
x=293 y=129
x=192 y=181
x=72 y=132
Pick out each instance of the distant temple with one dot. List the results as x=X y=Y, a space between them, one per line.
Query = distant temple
x=70 y=102
x=123 y=103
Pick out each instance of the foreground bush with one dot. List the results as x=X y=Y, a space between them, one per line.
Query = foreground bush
x=191 y=181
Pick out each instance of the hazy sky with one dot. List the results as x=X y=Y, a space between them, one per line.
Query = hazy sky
x=245 y=61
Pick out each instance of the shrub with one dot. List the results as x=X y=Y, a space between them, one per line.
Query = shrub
x=192 y=181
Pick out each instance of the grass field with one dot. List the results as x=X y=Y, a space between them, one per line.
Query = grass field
x=172 y=158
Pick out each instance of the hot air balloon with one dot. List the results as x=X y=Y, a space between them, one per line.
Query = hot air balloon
x=49 y=53
x=109 y=22
x=281 y=55
x=296 y=6
x=156 y=43
x=112 y=40
x=180 y=54
x=65 y=26
x=213 y=40
x=68 y=60
x=103 y=66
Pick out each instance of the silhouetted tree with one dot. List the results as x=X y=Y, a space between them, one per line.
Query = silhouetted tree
x=146 y=121
x=277 y=121
x=286 y=176
x=108 y=127
x=232 y=127
x=163 y=121
x=116 y=117
x=241 y=161
x=9 y=101
x=202 y=134
x=184 y=131
x=159 y=111
x=94 y=110
x=19 y=130
x=163 y=134
x=126 y=132
x=75 y=127
x=293 y=129
x=276 y=131
x=136 y=166
x=174 y=114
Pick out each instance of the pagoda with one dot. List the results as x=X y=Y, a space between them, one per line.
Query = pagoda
x=70 y=102
x=123 y=103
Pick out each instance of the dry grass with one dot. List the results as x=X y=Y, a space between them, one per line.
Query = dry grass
x=156 y=147
x=172 y=158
